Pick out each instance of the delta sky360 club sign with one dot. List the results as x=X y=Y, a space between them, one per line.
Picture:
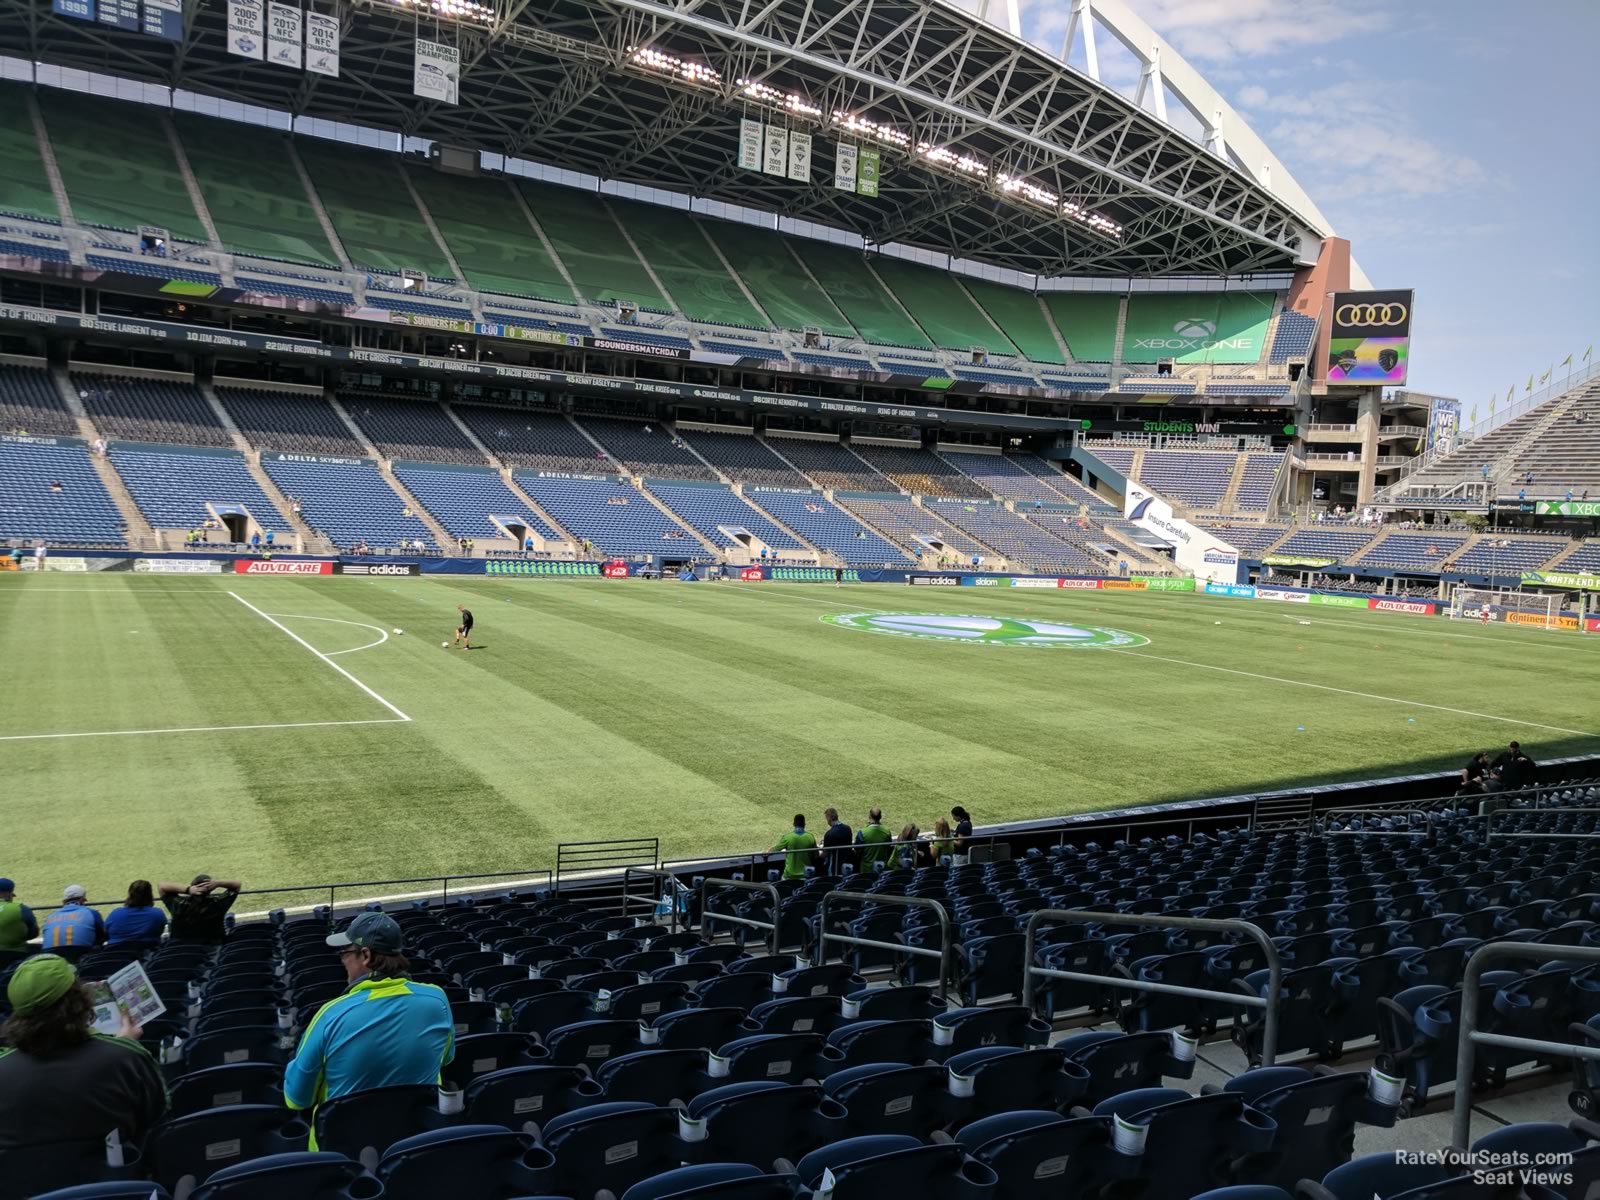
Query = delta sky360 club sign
x=987 y=631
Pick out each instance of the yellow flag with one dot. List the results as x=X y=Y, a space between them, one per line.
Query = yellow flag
x=1546 y=374
x=1530 y=383
x=1567 y=361
x=1588 y=352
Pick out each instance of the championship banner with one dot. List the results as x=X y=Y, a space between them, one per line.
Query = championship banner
x=775 y=158
x=1567 y=508
x=1575 y=581
x=436 y=72
x=285 y=37
x=119 y=14
x=164 y=19
x=844 y=167
x=867 y=166
x=322 y=44
x=1369 y=337
x=78 y=10
x=800 y=157
x=247 y=28
x=749 y=144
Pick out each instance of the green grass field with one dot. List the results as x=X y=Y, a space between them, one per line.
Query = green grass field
x=213 y=740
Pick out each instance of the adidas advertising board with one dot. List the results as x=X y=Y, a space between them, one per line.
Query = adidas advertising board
x=378 y=569
x=934 y=580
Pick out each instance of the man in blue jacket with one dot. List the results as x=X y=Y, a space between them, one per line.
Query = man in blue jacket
x=386 y=1030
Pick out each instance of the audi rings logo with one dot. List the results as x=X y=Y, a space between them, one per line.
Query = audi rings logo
x=1372 y=315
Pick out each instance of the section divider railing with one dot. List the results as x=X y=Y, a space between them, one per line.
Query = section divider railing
x=820 y=954
x=1269 y=1032
x=1471 y=1037
x=771 y=889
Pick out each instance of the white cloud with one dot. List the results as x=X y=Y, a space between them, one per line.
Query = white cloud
x=1228 y=29
x=1251 y=96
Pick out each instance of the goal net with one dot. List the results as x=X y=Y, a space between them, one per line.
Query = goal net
x=1507 y=606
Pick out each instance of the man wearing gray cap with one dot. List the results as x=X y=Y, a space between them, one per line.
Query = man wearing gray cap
x=73 y=927
x=387 y=1030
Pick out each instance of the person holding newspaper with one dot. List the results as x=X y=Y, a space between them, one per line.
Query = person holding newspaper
x=64 y=1088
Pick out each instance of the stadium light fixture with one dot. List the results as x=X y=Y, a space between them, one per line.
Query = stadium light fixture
x=790 y=102
x=943 y=156
x=668 y=64
x=862 y=127
x=1012 y=185
x=454 y=10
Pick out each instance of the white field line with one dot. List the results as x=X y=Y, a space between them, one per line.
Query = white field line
x=383 y=635
x=1323 y=687
x=320 y=654
x=40 y=737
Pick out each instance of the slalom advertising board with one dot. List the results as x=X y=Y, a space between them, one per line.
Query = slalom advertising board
x=1369 y=338
x=1202 y=554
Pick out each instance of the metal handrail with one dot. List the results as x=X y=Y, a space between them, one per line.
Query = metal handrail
x=1488 y=826
x=1471 y=1039
x=1426 y=832
x=654 y=873
x=1269 y=1032
x=942 y=953
x=706 y=915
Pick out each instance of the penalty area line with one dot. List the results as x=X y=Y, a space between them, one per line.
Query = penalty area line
x=1324 y=687
x=41 y=737
x=273 y=620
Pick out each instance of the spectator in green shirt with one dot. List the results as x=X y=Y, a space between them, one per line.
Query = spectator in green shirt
x=799 y=849
x=875 y=840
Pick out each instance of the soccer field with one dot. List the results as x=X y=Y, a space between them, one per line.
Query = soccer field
x=280 y=731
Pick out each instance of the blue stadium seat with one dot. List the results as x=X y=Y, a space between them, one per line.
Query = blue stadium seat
x=863 y=1168
x=762 y=1121
x=1316 y=1115
x=1038 y=1154
x=361 y=1124
x=235 y=1083
x=1191 y=1142
x=715 y=1181
x=891 y=1097
x=611 y=1146
x=305 y=1176
x=501 y=1164
x=186 y=1151
x=653 y=1076
x=520 y=1097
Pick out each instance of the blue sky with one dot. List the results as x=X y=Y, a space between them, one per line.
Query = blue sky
x=1452 y=141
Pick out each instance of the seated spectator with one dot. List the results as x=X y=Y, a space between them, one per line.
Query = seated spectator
x=914 y=852
x=199 y=911
x=138 y=922
x=63 y=1087
x=963 y=846
x=385 y=1031
x=1472 y=775
x=55 y=485
x=74 y=926
x=944 y=843
x=799 y=849
x=18 y=926
x=1513 y=770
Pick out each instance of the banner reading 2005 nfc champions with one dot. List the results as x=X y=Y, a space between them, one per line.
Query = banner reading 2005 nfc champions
x=1369 y=337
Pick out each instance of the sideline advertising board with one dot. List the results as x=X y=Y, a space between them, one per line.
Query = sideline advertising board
x=1204 y=555
x=259 y=566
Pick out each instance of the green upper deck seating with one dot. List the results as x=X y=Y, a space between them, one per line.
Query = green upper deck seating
x=1087 y=321
x=779 y=284
x=117 y=165
x=686 y=265
x=24 y=187
x=371 y=208
x=936 y=300
x=489 y=235
x=252 y=190
x=1197 y=327
x=586 y=239
x=1018 y=313
x=843 y=274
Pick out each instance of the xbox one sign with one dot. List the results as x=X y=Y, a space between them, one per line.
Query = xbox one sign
x=1194 y=333
x=986 y=631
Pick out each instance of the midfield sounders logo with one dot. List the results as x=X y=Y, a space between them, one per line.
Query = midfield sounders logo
x=986 y=631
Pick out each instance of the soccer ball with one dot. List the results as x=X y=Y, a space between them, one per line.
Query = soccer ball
x=444 y=645
x=398 y=632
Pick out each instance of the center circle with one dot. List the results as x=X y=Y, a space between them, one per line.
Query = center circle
x=981 y=630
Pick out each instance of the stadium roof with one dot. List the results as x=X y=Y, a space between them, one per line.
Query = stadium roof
x=562 y=82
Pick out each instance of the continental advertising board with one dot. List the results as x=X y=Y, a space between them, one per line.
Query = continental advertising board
x=1369 y=337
